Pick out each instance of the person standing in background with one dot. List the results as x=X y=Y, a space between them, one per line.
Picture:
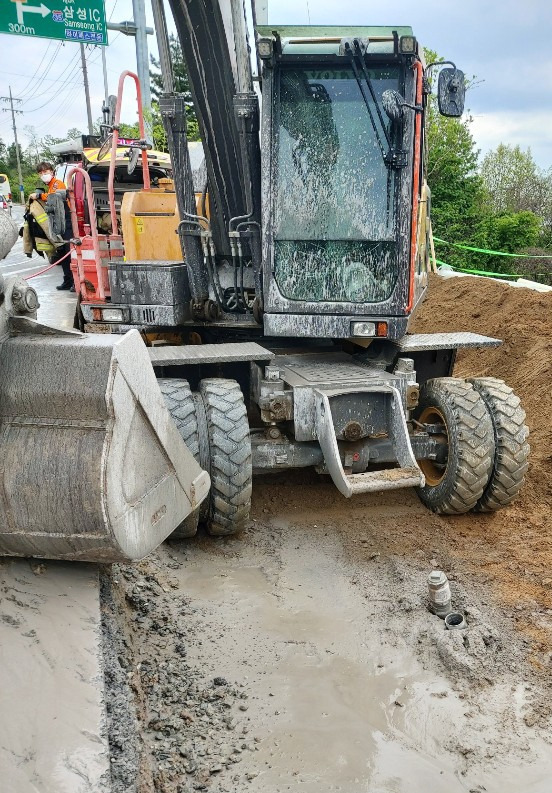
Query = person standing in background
x=45 y=171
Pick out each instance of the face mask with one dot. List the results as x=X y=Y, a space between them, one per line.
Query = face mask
x=47 y=177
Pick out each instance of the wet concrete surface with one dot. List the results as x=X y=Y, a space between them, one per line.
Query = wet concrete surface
x=53 y=735
x=52 y=716
x=339 y=696
x=56 y=307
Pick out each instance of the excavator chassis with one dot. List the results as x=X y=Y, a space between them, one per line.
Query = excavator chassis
x=350 y=416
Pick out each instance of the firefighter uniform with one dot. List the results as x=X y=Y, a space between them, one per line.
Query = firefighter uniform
x=62 y=250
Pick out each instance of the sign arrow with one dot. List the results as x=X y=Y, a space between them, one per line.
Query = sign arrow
x=21 y=9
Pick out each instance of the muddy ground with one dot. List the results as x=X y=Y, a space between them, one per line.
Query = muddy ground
x=302 y=656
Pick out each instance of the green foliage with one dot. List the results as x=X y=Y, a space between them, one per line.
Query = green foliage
x=37 y=150
x=514 y=231
x=31 y=182
x=74 y=132
x=181 y=86
x=159 y=137
x=512 y=180
x=457 y=195
x=504 y=206
x=536 y=269
x=514 y=183
x=180 y=77
x=154 y=119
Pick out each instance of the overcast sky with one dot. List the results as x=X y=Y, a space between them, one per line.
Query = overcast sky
x=505 y=43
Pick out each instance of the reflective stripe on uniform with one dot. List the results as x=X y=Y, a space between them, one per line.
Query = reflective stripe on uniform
x=41 y=245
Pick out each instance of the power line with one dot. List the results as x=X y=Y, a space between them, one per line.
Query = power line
x=38 y=90
x=72 y=90
x=72 y=66
x=25 y=90
x=70 y=79
x=46 y=70
x=69 y=84
x=47 y=79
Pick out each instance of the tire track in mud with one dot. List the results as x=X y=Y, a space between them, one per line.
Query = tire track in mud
x=338 y=676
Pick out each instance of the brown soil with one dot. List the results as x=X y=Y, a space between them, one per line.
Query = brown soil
x=512 y=548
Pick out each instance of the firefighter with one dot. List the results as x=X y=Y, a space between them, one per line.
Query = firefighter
x=45 y=171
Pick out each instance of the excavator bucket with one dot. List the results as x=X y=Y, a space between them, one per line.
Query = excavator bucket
x=92 y=466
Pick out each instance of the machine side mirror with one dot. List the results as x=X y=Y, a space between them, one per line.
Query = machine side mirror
x=110 y=109
x=133 y=156
x=393 y=104
x=451 y=92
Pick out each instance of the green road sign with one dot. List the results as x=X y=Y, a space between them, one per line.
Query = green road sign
x=68 y=20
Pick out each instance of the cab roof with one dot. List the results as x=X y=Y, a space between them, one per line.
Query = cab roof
x=325 y=39
x=334 y=31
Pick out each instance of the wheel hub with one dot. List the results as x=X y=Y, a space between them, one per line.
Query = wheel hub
x=435 y=424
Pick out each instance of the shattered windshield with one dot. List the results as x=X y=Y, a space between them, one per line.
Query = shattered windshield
x=334 y=225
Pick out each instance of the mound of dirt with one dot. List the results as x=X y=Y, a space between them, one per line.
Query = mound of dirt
x=510 y=549
x=522 y=318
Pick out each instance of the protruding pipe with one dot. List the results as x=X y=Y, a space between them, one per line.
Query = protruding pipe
x=455 y=621
x=439 y=593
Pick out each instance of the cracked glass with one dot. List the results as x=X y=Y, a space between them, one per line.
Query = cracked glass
x=334 y=230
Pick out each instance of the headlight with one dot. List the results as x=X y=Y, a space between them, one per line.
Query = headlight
x=264 y=48
x=407 y=45
x=112 y=314
x=363 y=329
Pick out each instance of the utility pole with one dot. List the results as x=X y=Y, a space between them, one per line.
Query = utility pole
x=260 y=12
x=104 y=68
x=137 y=28
x=86 y=89
x=142 y=61
x=11 y=100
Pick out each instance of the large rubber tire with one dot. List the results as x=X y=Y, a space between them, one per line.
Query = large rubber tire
x=180 y=403
x=469 y=434
x=229 y=456
x=511 y=448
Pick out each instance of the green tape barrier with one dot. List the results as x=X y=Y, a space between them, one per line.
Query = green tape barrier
x=493 y=253
x=479 y=272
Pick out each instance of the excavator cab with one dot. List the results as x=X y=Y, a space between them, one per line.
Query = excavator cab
x=341 y=181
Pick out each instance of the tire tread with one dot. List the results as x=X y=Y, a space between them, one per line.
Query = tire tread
x=471 y=446
x=510 y=436
x=230 y=456
x=179 y=401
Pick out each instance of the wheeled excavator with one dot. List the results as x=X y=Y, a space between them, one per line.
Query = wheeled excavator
x=281 y=339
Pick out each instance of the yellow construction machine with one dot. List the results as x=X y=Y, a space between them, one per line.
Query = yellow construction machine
x=282 y=332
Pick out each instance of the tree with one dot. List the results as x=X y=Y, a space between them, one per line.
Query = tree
x=546 y=210
x=457 y=195
x=72 y=133
x=514 y=183
x=159 y=137
x=45 y=145
x=511 y=232
x=181 y=84
x=512 y=180
x=3 y=156
x=32 y=154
